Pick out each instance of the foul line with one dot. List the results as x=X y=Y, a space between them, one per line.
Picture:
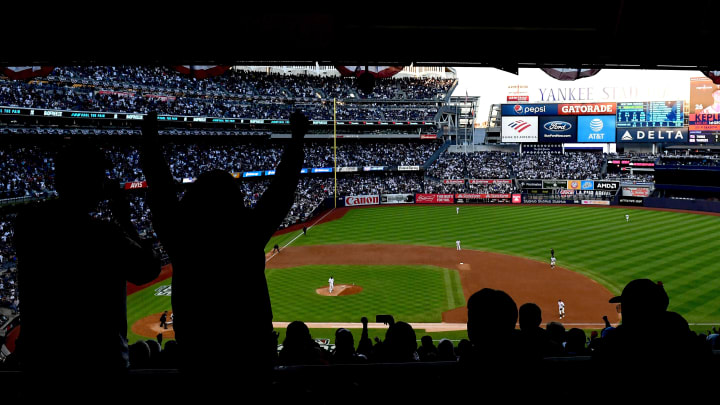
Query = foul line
x=299 y=235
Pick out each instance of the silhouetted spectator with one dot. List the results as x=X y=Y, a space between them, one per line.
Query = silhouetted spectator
x=446 y=351
x=492 y=315
x=650 y=339
x=535 y=342
x=344 y=352
x=299 y=348
x=427 y=350
x=400 y=344
x=575 y=342
x=556 y=333
x=140 y=355
x=211 y=232
x=65 y=256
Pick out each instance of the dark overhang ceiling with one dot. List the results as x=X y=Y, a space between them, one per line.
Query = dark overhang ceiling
x=613 y=33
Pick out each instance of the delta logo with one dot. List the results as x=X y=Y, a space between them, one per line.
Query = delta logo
x=519 y=126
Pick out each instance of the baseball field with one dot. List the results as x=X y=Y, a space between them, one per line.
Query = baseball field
x=402 y=260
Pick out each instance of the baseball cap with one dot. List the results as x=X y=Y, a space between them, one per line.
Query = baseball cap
x=643 y=290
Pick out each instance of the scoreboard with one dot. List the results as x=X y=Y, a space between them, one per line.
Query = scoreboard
x=650 y=114
x=704 y=137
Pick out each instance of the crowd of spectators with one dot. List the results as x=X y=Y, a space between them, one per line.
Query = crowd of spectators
x=568 y=165
x=474 y=165
x=235 y=94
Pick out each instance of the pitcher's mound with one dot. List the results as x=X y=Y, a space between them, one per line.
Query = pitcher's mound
x=340 y=289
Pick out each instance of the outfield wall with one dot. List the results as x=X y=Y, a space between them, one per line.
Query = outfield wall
x=682 y=204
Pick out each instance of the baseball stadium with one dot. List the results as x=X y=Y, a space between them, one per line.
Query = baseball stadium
x=419 y=222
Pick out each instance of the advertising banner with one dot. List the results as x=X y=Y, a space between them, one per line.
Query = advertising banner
x=587 y=185
x=554 y=183
x=519 y=129
x=607 y=185
x=557 y=129
x=408 y=168
x=355 y=200
x=347 y=169
x=573 y=184
x=535 y=200
x=490 y=181
x=270 y=172
x=656 y=134
x=637 y=201
x=434 y=199
x=530 y=183
x=596 y=128
x=135 y=185
x=322 y=170
x=252 y=174
x=587 y=109
x=428 y=136
x=529 y=109
x=454 y=181
x=482 y=196
x=635 y=191
x=397 y=198
x=595 y=202
x=373 y=168
x=517 y=198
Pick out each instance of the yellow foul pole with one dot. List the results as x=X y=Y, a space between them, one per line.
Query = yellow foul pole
x=335 y=147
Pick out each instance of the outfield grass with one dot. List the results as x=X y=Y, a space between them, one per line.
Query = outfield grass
x=680 y=249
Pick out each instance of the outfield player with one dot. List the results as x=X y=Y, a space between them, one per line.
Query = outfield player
x=561 y=308
x=627 y=217
x=552 y=262
x=457 y=210
x=457 y=244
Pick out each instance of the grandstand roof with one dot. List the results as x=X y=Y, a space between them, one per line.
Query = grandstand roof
x=611 y=33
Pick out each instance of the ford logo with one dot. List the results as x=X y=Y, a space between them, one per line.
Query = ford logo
x=557 y=126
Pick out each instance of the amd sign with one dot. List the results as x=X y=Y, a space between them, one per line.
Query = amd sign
x=606 y=185
x=655 y=134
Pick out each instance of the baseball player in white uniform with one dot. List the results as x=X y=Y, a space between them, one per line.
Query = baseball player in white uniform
x=457 y=244
x=331 y=281
x=457 y=210
x=627 y=217
x=552 y=262
x=561 y=308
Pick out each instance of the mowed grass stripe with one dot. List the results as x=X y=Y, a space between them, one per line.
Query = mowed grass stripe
x=591 y=240
x=410 y=293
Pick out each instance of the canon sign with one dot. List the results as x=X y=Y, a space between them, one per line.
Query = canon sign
x=362 y=200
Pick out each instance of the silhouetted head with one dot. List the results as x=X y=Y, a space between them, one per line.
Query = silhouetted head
x=214 y=193
x=401 y=342
x=575 y=338
x=80 y=174
x=556 y=331
x=530 y=316
x=446 y=350
x=344 y=340
x=492 y=315
x=297 y=333
x=642 y=301
x=427 y=341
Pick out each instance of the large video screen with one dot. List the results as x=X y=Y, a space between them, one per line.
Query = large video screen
x=650 y=114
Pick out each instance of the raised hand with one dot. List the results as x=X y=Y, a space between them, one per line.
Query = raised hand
x=299 y=125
